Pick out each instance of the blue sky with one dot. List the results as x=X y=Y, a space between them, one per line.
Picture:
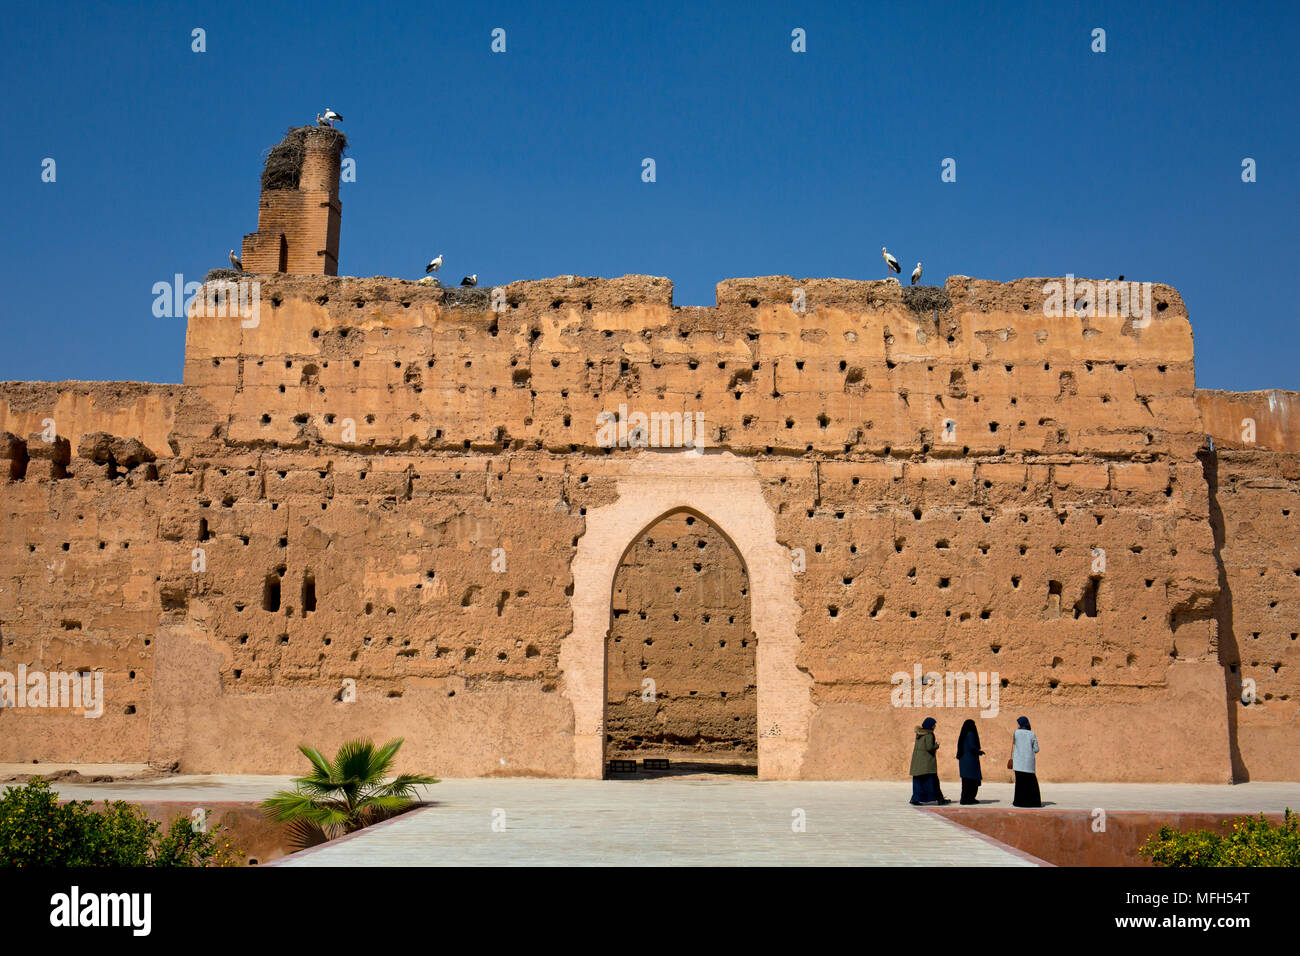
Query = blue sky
x=527 y=164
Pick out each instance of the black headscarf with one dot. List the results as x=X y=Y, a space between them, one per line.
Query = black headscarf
x=968 y=728
x=927 y=724
x=1023 y=723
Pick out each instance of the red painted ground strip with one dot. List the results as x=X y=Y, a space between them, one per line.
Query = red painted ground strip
x=986 y=838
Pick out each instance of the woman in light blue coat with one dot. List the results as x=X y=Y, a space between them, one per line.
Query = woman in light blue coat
x=1023 y=748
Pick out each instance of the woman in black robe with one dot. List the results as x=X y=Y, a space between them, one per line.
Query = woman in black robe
x=968 y=761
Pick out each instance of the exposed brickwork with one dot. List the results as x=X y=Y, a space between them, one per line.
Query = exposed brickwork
x=298 y=229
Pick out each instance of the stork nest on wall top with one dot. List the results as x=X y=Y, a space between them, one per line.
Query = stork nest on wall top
x=283 y=168
x=926 y=298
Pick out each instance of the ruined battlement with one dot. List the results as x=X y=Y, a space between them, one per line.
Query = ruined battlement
x=974 y=368
x=1024 y=298
x=71 y=411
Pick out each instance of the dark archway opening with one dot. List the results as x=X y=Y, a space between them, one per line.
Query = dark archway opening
x=681 y=675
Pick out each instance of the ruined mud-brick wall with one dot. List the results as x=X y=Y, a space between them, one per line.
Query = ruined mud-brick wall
x=391 y=484
x=681 y=621
x=73 y=595
x=1254 y=480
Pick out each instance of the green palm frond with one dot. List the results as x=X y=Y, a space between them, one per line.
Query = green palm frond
x=286 y=805
x=360 y=761
x=345 y=794
x=385 y=755
x=405 y=784
x=322 y=767
x=387 y=802
x=319 y=787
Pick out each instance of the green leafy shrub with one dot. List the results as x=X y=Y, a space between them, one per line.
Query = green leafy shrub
x=345 y=794
x=182 y=845
x=1253 y=842
x=37 y=830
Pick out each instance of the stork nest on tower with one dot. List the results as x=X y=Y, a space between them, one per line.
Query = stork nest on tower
x=283 y=169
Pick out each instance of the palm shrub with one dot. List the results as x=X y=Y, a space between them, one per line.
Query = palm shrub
x=346 y=794
x=1253 y=841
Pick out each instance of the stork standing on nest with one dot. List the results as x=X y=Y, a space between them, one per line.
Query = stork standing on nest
x=916 y=274
x=236 y=263
x=328 y=119
x=434 y=265
x=890 y=261
x=470 y=280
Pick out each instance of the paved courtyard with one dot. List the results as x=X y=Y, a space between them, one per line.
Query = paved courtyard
x=714 y=820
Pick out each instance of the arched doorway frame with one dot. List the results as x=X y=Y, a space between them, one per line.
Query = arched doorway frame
x=628 y=550
x=726 y=492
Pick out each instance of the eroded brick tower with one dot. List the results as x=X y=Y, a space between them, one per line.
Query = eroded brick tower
x=299 y=212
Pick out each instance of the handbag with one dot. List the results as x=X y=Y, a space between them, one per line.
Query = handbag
x=1009 y=760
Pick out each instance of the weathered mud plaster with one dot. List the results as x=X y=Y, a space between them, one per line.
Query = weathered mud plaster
x=352 y=468
x=727 y=492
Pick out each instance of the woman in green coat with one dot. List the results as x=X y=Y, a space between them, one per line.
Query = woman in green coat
x=925 y=766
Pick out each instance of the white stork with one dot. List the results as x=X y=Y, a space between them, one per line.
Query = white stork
x=330 y=116
x=469 y=281
x=434 y=265
x=236 y=263
x=916 y=274
x=890 y=261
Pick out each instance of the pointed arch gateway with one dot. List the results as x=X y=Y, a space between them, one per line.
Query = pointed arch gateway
x=725 y=491
x=680 y=654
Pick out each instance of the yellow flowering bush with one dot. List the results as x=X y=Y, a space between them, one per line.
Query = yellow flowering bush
x=37 y=830
x=1253 y=841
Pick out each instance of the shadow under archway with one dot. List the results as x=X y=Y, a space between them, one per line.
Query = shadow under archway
x=681 y=653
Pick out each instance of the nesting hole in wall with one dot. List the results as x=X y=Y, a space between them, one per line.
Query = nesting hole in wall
x=308 y=593
x=271 y=593
x=1087 y=603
